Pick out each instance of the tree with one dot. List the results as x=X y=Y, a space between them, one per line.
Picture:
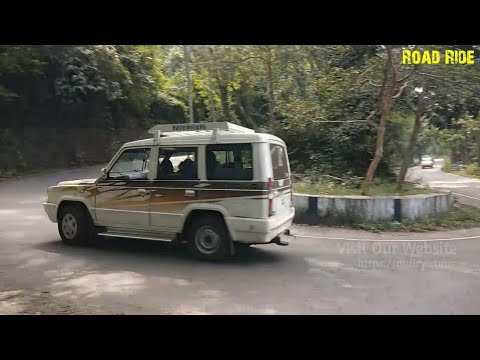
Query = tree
x=453 y=97
x=391 y=89
x=317 y=98
x=189 y=82
x=420 y=116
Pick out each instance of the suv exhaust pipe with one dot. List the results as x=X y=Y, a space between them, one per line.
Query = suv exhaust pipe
x=283 y=240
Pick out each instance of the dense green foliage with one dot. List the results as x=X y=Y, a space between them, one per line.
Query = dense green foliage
x=73 y=105
x=333 y=186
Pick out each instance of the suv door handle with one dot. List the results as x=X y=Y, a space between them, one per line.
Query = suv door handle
x=144 y=192
x=189 y=192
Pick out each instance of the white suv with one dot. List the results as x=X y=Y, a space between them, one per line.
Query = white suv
x=427 y=161
x=212 y=185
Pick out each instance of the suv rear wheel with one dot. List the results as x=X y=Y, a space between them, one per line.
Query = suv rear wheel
x=208 y=238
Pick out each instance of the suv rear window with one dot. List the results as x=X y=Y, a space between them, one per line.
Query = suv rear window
x=229 y=162
x=279 y=162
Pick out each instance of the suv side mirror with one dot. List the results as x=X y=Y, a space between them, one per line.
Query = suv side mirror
x=104 y=173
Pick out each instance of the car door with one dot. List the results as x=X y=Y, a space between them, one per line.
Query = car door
x=230 y=180
x=281 y=186
x=174 y=187
x=123 y=197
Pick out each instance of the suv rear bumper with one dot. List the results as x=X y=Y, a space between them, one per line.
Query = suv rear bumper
x=259 y=231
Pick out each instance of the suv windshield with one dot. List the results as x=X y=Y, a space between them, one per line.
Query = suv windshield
x=132 y=164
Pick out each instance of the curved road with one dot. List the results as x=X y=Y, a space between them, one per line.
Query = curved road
x=466 y=190
x=38 y=274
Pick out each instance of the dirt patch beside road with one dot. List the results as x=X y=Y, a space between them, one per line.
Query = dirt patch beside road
x=37 y=302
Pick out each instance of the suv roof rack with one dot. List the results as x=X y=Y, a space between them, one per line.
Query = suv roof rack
x=174 y=130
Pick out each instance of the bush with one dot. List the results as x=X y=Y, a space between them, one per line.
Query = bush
x=447 y=165
x=319 y=149
x=472 y=170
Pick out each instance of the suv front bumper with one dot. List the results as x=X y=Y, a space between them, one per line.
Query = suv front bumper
x=51 y=210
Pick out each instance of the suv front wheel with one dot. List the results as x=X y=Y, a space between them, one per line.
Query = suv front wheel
x=75 y=226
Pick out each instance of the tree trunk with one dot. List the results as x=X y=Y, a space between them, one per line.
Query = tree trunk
x=386 y=98
x=409 y=154
x=407 y=159
x=189 y=83
x=387 y=106
x=213 y=114
x=224 y=98
x=271 y=98
x=477 y=138
x=453 y=155
x=242 y=111
x=212 y=111
x=376 y=158
x=465 y=155
x=247 y=117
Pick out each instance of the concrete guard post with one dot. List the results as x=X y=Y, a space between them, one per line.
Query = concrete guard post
x=370 y=208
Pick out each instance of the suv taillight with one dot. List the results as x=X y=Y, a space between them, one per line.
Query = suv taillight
x=270 y=197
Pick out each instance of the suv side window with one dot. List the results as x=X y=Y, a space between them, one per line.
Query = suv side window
x=279 y=162
x=177 y=163
x=131 y=165
x=229 y=162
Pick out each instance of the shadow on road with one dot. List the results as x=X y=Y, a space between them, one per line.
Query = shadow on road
x=156 y=250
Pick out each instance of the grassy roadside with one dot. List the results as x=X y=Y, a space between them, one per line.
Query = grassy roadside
x=459 y=217
x=464 y=173
x=379 y=188
x=471 y=171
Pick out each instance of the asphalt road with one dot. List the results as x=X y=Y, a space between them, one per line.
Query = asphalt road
x=466 y=189
x=38 y=274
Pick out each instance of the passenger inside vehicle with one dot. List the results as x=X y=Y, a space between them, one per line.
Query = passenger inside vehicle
x=187 y=169
x=233 y=170
x=212 y=162
x=165 y=168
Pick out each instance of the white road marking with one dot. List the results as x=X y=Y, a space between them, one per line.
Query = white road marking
x=388 y=240
x=470 y=197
